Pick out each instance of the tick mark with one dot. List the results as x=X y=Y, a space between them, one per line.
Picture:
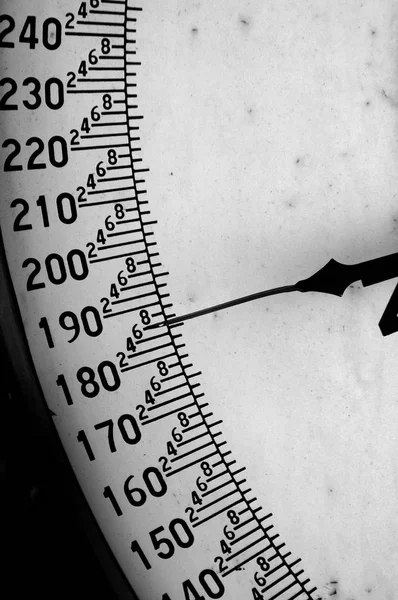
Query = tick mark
x=194 y=30
x=245 y=22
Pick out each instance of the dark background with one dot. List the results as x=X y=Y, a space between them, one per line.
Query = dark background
x=51 y=542
x=51 y=555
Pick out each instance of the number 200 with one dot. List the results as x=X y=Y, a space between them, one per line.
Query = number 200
x=56 y=270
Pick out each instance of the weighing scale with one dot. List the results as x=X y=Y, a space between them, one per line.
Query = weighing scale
x=163 y=158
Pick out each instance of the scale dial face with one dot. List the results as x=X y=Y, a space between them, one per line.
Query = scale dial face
x=270 y=133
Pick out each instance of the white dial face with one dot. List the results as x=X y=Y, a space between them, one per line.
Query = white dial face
x=270 y=133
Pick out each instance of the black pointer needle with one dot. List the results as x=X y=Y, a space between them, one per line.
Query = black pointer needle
x=334 y=278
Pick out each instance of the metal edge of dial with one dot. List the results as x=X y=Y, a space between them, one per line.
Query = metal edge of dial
x=14 y=343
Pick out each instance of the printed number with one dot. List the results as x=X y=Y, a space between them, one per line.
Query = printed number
x=82 y=70
x=92 y=254
x=71 y=81
x=260 y=579
x=135 y=547
x=92 y=57
x=107 y=102
x=145 y=318
x=108 y=376
x=225 y=549
x=95 y=116
x=18 y=225
x=121 y=279
x=119 y=211
x=262 y=563
x=113 y=291
x=82 y=194
x=130 y=265
x=112 y=157
x=100 y=170
x=91 y=182
x=93 y=329
x=122 y=360
x=105 y=46
x=7 y=29
x=57 y=153
x=171 y=451
x=82 y=12
x=51 y=33
x=66 y=210
x=220 y=561
x=155 y=385
x=180 y=533
x=210 y=583
x=53 y=93
x=155 y=485
x=57 y=271
x=196 y=499
x=229 y=534
x=70 y=18
x=164 y=462
x=206 y=468
x=61 y=382
x=90 y=318
x=110 y=225
x=233 y=517
x=105 y=301
x=176 y=435
x=182 y=417
x=8 y=94
x=149 y=399
x=132 y=437
x=162 y=368
x=191 y=512
x=141 y=412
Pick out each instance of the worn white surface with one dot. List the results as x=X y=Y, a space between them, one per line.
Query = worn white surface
x=271 y=133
